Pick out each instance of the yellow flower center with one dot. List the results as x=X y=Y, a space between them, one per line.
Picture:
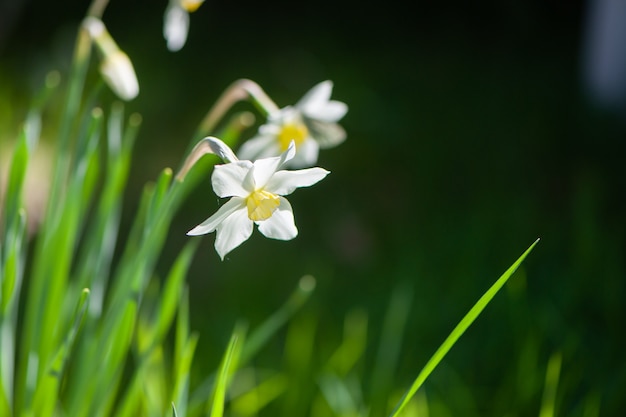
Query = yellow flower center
x=191 y=5
x=292 y=131
x=261 y=204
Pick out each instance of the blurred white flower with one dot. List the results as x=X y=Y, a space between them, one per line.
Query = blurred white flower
x=118 y=72
x=176 y=22
x=311 y=123
x=256 y=191
x=116 y=67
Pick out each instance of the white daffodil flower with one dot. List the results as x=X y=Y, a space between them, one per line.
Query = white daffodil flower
x=176 y=22
x=256 y=191
x=311 y=123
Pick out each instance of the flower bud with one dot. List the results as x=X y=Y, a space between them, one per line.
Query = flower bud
x=118 y=72
x=116 y=68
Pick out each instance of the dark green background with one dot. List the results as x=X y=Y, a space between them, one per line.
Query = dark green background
x=470 y=134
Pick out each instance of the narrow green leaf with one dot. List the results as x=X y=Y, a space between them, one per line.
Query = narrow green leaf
x=54 y=270
x=47 y=393
x=221 y=384
x=460 y=328
x=269 y=327
x=114 y=348
x=97 y=251
x=170 y=296
x=553 y=371
x=63 y=354
x=184 y=348
x=5 y=406
x=13 y=268
x=262 y=334
x=46 y=313
x=253 y=401
x=339 y=395
x=394 y=327
x=15 y=182
x=353 y=345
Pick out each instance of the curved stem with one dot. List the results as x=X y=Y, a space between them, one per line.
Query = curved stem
x=96 y=9
x=239 y=90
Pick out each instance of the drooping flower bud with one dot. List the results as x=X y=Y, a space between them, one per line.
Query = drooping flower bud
x=116 y=67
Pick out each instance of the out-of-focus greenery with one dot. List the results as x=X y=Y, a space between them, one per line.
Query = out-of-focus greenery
x=469 y=136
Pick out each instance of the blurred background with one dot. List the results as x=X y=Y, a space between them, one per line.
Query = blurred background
x=473 y=130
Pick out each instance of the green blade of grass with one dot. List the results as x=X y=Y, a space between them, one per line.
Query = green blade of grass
x=548 y=403
x=165 y=308
x=97 y=251
x=82 y=389
x=114 y=356
x=340 y=395
x=46 y=396
x=54 y=271
x=253 y=401
x=394 y=326
x=456 y=333
x=46 y=310
x=353 y=345
x=260 y=336
x=148 y=388
x=184 y=348
x=15 y=182
x=12 y=255
x=10 y=284
x=223 y=377
x=300 y=347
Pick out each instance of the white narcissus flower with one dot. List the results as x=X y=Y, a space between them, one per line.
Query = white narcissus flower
x=311 y=123
x=256 y=191
x=176 y=22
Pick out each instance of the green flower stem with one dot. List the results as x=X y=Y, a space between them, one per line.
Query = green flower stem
x=229 y=135
x=96 y=9
x=242 y=89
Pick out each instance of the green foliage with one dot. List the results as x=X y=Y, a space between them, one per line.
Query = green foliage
x=89 y=327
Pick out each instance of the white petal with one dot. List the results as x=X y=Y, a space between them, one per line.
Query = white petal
x=274 y=123
x=175 y=27
x=260 y=146
x=219 y=148
x=330 y=111
x=327 y=135
x=285 y=182
x=266 y=167
x=306 y=155
x=281 y=225
x=229 y=180
x=212 y=223
x=316 y=96
x=232 y=232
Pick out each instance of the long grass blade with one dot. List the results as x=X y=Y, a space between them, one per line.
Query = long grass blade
x=456 y=333
x=184 y=348
x=260 y=336
x=223 y=377
x=553 y=371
